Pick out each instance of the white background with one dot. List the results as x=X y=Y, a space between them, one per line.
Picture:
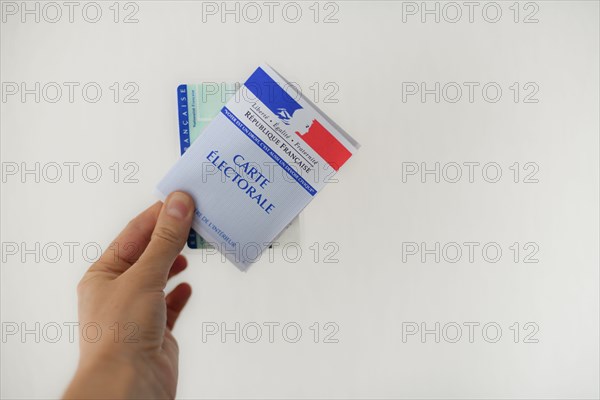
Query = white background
x=370 y=292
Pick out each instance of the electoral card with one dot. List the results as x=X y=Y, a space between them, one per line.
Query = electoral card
x=256 y=165
x=197 y=105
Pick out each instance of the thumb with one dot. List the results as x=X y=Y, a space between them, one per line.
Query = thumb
x=168 y=238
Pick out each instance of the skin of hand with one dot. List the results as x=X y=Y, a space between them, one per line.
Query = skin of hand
x=125 y=319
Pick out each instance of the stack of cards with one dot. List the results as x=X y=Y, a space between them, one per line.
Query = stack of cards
x=252 y=159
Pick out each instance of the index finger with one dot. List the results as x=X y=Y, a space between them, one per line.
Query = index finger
x=129 y=245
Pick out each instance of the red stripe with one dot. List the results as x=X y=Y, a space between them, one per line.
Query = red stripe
x=326 y=145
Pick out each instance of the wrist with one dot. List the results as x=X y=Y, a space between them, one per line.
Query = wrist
x=112 y=376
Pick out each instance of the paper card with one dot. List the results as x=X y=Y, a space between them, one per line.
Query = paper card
x=197 y=105
x=256 y=165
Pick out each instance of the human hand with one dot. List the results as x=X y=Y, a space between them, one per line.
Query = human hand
x=122 y=296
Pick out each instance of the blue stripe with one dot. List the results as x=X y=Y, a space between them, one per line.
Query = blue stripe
x=272 y=95
x=184 y=121
x=286 y=167
x=184 y=132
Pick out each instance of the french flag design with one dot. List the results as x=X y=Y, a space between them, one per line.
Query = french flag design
x=299 y=120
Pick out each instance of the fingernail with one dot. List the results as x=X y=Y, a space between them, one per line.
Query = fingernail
x=178 y=205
